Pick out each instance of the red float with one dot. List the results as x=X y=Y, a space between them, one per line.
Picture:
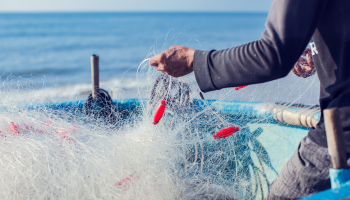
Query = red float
x=13 y=128
x=64 y=134
x=61 y=131
x=159 y=113
x=126 y=181
x=240 y=87
x=226 y=132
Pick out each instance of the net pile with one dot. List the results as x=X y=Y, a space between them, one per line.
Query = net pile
x=64 y=154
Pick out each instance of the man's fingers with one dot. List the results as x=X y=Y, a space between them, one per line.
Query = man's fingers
x=295 y=72
x=302 y=61
x=299 y=69
x=310 y=61
x=306 y=51
x=160 y=67
x=154 y=60
x=304 y=67
x=307 y=67
x=308 y=71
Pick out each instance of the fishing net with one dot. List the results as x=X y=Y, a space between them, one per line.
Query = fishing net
x=87 y=150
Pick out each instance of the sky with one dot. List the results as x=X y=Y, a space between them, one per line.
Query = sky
x=134 y=5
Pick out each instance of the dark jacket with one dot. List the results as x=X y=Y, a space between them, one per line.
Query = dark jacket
x=290 y=26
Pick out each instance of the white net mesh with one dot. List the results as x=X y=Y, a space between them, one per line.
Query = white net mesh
x=54 y=151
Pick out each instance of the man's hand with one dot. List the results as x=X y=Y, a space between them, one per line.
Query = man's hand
x=176 y=61
x=304 y=68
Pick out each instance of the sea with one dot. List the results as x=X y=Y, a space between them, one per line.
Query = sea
x=51 y=51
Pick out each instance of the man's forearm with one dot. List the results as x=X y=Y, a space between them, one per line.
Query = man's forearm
x=289 y=27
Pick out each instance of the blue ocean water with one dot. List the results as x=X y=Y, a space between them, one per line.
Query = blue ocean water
x=56 y=47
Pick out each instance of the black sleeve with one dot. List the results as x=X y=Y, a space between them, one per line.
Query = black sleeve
x=289 y=27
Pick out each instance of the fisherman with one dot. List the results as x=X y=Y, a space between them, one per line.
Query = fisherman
x=290 y=25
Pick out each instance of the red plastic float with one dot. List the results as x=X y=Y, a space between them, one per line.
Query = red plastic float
x=61 y=131
x=240 y=87
x=67 y=138
x=64 y=134
x=126 y=181
x=13 y=128
x=159 y=113
x=226 y=132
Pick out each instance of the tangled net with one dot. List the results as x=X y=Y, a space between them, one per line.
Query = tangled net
x=63 y=151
